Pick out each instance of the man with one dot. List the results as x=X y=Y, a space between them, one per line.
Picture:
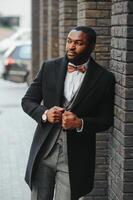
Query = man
x=71 y=99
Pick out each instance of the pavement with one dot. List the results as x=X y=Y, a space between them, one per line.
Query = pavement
x=16 y=133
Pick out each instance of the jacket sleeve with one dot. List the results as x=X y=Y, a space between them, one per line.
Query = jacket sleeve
x=31 y=102
x=105 y=113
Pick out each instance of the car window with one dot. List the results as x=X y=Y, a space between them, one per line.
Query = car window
x=22 y=52
x=25 y=52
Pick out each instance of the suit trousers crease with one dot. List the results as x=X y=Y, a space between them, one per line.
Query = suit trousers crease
x=52 y=177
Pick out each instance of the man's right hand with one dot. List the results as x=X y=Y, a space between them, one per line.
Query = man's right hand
x=54 y=114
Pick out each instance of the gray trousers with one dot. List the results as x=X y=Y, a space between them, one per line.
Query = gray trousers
x=51 y=181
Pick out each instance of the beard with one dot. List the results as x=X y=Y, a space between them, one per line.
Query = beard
x=78 y=59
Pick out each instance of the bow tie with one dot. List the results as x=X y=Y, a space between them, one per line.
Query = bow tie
x=80 y=68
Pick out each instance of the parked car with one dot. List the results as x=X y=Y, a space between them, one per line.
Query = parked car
x=20 y=35
x=17 y=62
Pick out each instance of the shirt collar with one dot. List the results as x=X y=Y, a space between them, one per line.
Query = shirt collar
x=84 y=64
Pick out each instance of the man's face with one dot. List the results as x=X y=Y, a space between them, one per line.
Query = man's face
x=77 y=47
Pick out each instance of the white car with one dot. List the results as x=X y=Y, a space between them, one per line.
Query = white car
x=20 y=35
x=17 y=62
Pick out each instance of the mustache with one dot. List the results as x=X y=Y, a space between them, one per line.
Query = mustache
x=71 y=51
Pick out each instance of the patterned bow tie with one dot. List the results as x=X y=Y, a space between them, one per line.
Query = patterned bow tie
x=80 y=68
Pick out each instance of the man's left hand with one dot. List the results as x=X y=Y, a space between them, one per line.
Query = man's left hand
x=70 y=120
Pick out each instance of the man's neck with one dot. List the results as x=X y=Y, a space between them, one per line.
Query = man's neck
x=81 y=62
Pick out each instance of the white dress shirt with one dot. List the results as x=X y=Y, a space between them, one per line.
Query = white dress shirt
x=72 y=83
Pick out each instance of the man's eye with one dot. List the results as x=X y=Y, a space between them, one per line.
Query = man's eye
x=79 y=43
x=68 y=41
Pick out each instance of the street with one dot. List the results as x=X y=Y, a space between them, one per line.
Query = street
x=16 y=132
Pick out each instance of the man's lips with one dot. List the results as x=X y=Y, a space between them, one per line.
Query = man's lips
x=71 y=53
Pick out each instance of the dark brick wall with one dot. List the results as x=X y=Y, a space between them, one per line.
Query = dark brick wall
x=35 y=36
x=67 y=20
x=121 y=140
x=113 y=22
x=43 y=29
x=96 y=14
x=53 y=21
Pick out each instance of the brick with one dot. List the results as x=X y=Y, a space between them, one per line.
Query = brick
x=121 y=67
x=101 y=198
x=120 y=7
x=130 y=19
x=67 y=3
x=128 y=164
x=128 y=196
x=87 y=5
x=126 y=81
x=119 y=43
x=100 y=176
x=128 y=141
x=128 y=152
x=102 y=31
x=98 y=192
x=127 y=105
x=97 y=14
x=104 y=63
x=122 y=31
x=122 y=55
x=101 y=152
x=101 y=48
x=101 y=145
x=130 y=7
x=128 y=187
x=68 y=22
x=103 y=56
x=126 y=129
x=128 y=176
x=89 y=22
x=119 y=31
x=102 y=137
x=120 y=19
x=103 y=22
x=104 y=5
x=103 y=40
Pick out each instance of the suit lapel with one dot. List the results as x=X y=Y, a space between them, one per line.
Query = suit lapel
x=91 y=76
x=60 y=73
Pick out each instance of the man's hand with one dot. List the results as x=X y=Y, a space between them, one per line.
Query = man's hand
x=70 y=120
x=54 y=114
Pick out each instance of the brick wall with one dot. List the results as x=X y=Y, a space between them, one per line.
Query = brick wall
x=96 y=14
x=53 y=20
x=114 y=158
x=67 y=20
x=121 y=140
x=35 y=37
x=43 y=37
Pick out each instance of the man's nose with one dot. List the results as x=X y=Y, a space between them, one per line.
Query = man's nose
x=72 y=45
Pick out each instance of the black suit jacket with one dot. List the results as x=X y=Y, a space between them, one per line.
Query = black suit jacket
x=94 y=103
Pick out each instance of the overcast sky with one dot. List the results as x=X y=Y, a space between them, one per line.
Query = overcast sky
x=20 y=8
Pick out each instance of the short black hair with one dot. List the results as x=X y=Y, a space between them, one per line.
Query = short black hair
x=90 y=33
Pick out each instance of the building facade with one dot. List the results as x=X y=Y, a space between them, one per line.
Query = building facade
x=113 y=22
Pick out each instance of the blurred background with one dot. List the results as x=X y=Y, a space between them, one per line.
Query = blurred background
x=16 y=128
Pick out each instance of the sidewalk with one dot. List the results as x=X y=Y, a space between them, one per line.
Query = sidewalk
x=16 y=132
